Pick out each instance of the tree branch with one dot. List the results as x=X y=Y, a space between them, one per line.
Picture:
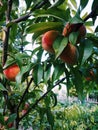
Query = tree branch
x=7 y=30
x=92 y=14
x=22 y=98
x=42 y=97
x=26 y=16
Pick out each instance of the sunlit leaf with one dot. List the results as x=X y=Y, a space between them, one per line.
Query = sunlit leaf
x=57 y=13
x=74 y=3
x=43 y=26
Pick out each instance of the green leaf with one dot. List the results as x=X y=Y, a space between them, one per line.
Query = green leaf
x=73 y=37
x=56 y=2
x=11 y=118
x=43 y=26
x=78 y=82
x=74 y=3
x=28 y=3
x=38 y=73
x=47 y=101
x=16 y=2
x=2 y=88
x=54 y=97
x=13 y=32
x=88 y=48
x=42 y=112
x=76 y=19
x=9 y=62
x=93 y=38
x=58 y=71
x=47 y=74
x=89 y=23
x=2 y=119
x=50 y=117
x=96 y=30
x=54 y=12
x=24 y=72
x=94 y=4
x=59 y=44
x=83 y=3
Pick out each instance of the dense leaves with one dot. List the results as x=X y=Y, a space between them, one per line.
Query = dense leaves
x=22 y=26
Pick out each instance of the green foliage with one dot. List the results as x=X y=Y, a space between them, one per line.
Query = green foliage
x=43 y=26
x=61 y=43
x=41 y=71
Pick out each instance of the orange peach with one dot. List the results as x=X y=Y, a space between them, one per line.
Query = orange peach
x=47 y=40
x=11 y=72
x=74 y=28
x=70 y=54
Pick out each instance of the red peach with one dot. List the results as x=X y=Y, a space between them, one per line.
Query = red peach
x=47 y=40
x=70 y=54
x=11 y=72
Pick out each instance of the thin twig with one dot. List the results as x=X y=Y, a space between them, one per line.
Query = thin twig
x=22 y=98
x=42 y=97
x=92 y=14
x=26 y=16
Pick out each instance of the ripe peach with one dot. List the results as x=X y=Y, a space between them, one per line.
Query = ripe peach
x=70 y=54
x=47 y=40
x=11 y=72
x=73 y=28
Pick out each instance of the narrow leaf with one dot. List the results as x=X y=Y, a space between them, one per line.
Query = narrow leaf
x=88 y=48
x=2 y=88
x=50 y=117
x=2 y=119
x=38 y=74
x=43 y=26
x=74 y=3
x=73 y=37
x=54 y=12
x=83 y=3
x=59 y=45
x=78 y=82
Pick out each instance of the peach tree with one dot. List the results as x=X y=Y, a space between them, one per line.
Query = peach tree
x=29 y=98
